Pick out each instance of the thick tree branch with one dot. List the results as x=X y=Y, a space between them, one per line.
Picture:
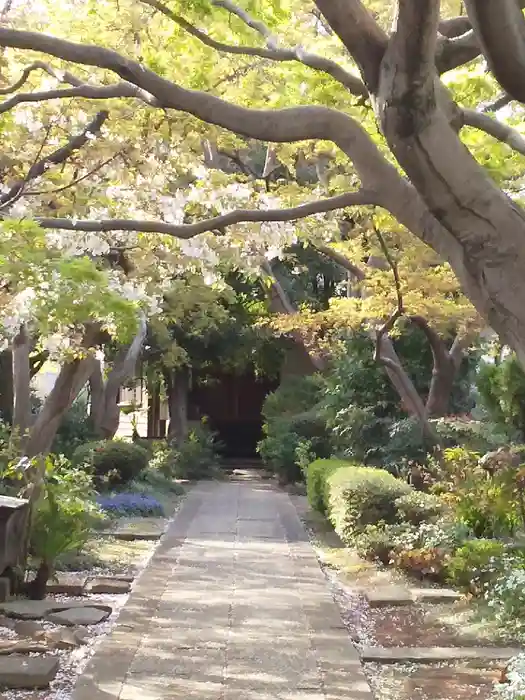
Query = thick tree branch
x=457 y=51
x=496 y=129
x=319 y=63
x=498 y=103
x=500 y=27
x=454 y=26
x=436 y=342
x=360 y=33
x=238 y=216
x=59 y=156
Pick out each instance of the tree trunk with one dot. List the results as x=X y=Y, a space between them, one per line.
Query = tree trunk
x=70 y=381
x=21 y=383
x=177 y=387
x=37 y=588
x=487 y=227
x=108 y=418
x=440 y=391
x=6 y=392
x=96 y=394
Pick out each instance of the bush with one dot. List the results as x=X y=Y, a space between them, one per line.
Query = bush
x=353 y=496
x=423 y=562
x=195 y=458
x=505 y=592
x=377 y=542
x=489 y=501
x=295 y=395
x=405 y=443
x=286 y=436
x=472 y=565
x=112 y=462
x=63 y=519
x=417 y=507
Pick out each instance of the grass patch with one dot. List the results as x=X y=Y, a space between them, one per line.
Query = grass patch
x=107 y=553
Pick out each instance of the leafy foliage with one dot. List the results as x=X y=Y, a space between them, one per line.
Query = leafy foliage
x=501 y=389
x=353 y=496
x=112 y=462
x=63 y=517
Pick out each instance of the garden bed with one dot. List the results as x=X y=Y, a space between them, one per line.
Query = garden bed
x=106 y=562
x=460 y=624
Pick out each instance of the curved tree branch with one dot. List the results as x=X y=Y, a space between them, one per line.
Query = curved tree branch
x=90 y=92
x=362 y=197
x=319 y=63
x=61 y=76
x=341 y=260
x=500 y=26
x=502 y=132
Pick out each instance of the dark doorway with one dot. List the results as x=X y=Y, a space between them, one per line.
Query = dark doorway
x=233 y=405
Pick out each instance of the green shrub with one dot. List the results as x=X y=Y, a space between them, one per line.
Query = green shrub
x=377 y=542
x=63 y=518
x=195 y=458
x=112 y=462
x=353 y=496
x=417 y=507
x=472 y=566
x=285 y=436
x=294 y=395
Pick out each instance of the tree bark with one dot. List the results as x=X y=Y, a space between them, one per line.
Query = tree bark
x=6 y=392
x=70 y=381
x=485 y=224
x=96 y=393
x=21 y=383
x=177 y=388
x=108 y=415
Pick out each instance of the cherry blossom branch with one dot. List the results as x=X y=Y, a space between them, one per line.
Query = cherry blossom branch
x=272 y=52
x=75 y=181
x=502 y=132
x=59 y=156
x=361 y=197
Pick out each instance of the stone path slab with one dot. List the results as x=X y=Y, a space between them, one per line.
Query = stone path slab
x=232 y=606
x=27 y=672
x=24 y=609
x=432 y=655
x=392 y=596
x=131 y=529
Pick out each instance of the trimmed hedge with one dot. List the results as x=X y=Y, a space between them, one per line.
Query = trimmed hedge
x=112 y=462
x=353 y=496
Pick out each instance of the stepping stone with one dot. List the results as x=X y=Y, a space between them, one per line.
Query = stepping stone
x=129 y=529
x=107 y=584
x=431 y=655
x=39 y=609
x=66 y=638
x=22 y=646
x=389 y=596
x=27 y=672
x=68 y=584
x=435 y=595
x=78 y=616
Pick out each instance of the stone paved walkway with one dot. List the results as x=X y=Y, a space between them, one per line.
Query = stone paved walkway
x=233 y=606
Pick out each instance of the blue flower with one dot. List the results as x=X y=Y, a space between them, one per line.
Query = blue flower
x=130 y=504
